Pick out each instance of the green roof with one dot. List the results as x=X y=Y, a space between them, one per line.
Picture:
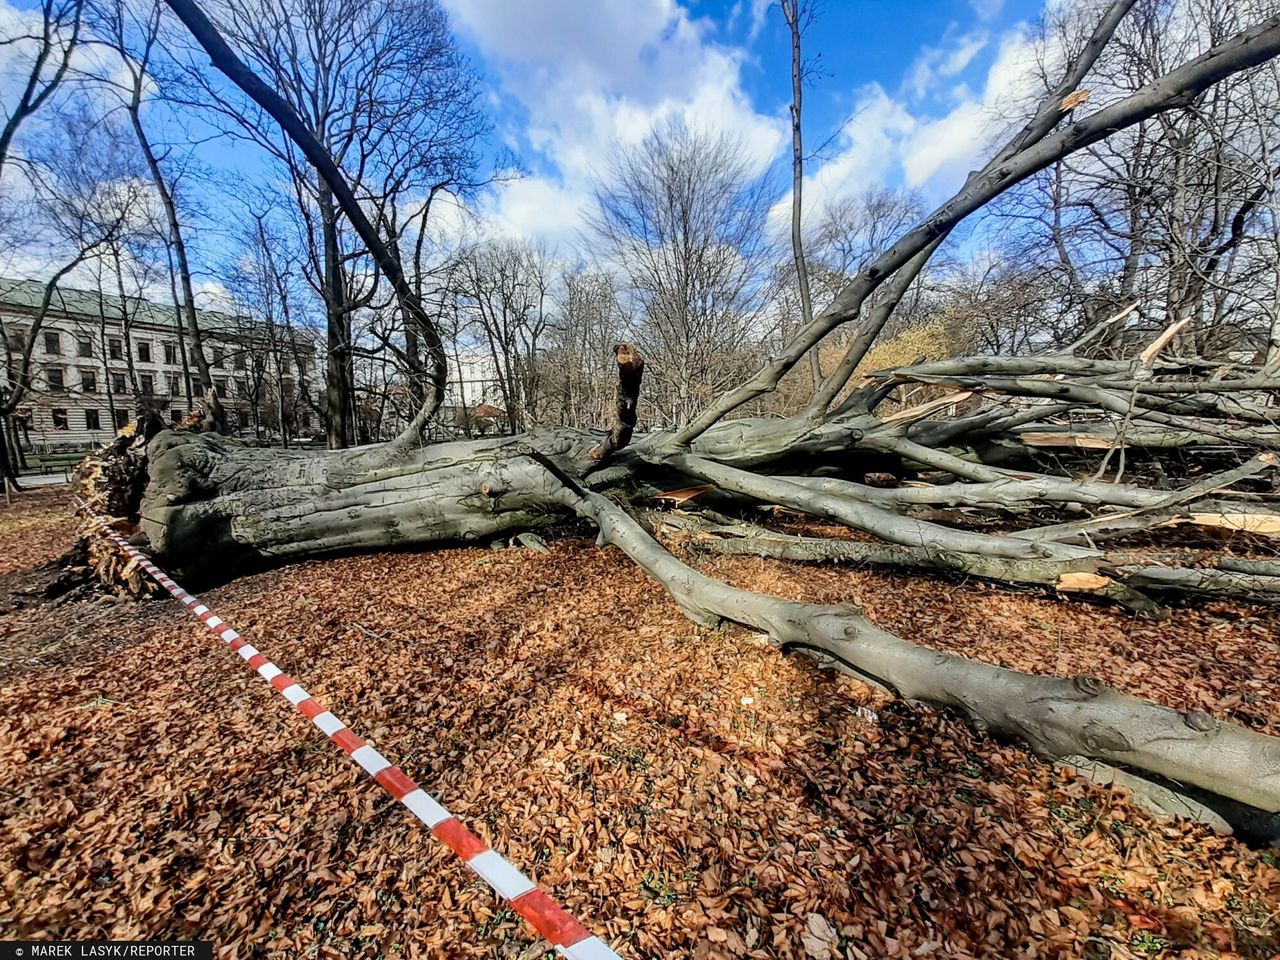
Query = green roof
x=27 y=295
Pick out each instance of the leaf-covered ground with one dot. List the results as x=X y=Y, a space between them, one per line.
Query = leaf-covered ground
x=685 y=792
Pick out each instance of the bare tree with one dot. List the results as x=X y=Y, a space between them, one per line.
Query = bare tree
x=46 y=50
x=587 y=324
x=681 y=216
x=504 y=285
x=133 y=34
x=799 y=15
x=381 y=89
x=85 y=203
x=1171 y=215
x=300 y=505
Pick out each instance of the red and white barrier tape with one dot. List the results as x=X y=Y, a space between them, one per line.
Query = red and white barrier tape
x=570 y=938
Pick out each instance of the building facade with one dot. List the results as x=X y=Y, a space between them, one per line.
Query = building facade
x=97 y=361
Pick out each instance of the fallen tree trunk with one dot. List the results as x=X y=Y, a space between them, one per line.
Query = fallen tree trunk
x=211 y=503
x=210 y=500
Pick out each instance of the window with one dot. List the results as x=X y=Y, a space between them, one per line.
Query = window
x=238 y=384
x=148 y=383
x=88 y=381
x=218 y=357
x=52 y=343
x=284 y=366
x=305 y=419
x=60 y=421
x=220 y=386
x=170 y=353
x=175 y=415
x=55 y=377
x=17 y=341
x=239 y=363
x=115 y=348
x=175 y=385
x=84 y=347
x=117 y=383
x=144 y=351
x=121 y=419
x=91 y=421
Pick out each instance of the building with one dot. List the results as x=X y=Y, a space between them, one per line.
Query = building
x=98 y=360
x=473 y=401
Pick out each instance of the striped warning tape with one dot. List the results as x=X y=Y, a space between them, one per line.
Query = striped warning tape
x=570 y=938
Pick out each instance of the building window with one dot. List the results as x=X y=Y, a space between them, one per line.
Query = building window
x=91 y=421
x=53 y=343
x=88 y=381
x=175 y=415
x=60 y=421
x=148 y=383
x=220 y=386
x=115 y=349
x=175 y=387
x=170 y=353
x=17 y=341
x=239 y=362
x=305 y=419
x=84 y=347
x=117 y=383
x=121 y=419
x=218 y=357
x=144 y=351
x=54 y=376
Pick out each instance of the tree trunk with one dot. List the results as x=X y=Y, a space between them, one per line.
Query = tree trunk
x=338 y=387
x=215 y=415
x=212 y=503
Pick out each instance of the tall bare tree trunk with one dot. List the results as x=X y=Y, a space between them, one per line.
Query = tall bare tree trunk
x=338 y=388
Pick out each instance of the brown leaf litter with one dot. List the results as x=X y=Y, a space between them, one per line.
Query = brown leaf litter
x=686 y=793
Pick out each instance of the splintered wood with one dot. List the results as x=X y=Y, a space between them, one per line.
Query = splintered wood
x=111 y=480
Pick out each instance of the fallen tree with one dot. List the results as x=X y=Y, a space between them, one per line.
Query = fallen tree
x=977 y=496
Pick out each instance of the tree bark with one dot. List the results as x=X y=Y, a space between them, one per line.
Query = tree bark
x=211 y=502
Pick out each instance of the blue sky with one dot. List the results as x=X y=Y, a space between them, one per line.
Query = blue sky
x=910 y=93
x=913 y=90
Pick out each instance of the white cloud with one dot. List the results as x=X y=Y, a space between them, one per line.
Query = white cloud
x=948 y=145
x=868 y=149
x=590 y=76
x=947 y=60
x=987 y=9
x=935 y=130
x=536 y=207
x=759 y=11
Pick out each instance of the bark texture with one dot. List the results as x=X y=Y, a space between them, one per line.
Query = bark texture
x=1014 y=469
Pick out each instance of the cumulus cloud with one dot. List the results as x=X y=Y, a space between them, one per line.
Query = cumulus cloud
x=585 y=78
x=936 y=128
x=946 y=60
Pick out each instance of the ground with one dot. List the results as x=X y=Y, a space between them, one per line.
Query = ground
x=685 y=792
